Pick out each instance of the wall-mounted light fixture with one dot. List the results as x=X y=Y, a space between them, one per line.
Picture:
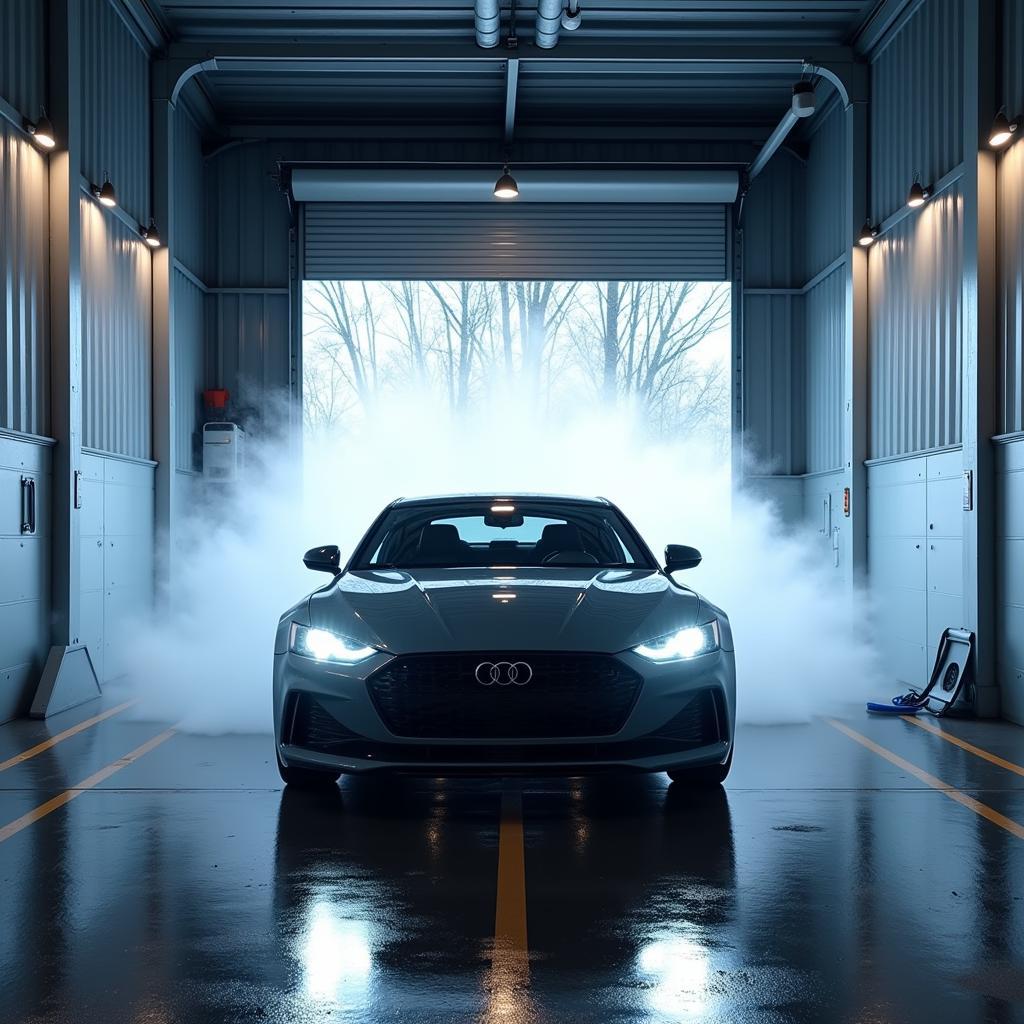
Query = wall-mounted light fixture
x=867 y=234
x=104 y=194
x=919 y=194
x=505 y=187
x=150 y=235
x=41 y=131
x=1002 y=130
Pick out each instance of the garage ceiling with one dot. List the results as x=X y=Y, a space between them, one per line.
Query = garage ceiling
x=380 y=65
x=825 y=22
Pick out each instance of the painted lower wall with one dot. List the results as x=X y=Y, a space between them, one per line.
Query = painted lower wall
x=822 y=515
x=1009 y=459
x=117 y=545
x=915 y=558
x=25 y=575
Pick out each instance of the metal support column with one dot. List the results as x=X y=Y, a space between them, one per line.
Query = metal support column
x=164 y=391
x=853 y=536
x=69 y=677
x=980 y=363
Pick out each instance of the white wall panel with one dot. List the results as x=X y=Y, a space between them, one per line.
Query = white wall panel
x=916 y=273
x=915 y=559
x=116 y=335
x=25 y=574
x=1010 y=577
x=24 y=292
x=117 y=563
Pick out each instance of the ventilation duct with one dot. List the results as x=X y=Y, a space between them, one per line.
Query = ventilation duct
x=549 y=23
x=487 y=21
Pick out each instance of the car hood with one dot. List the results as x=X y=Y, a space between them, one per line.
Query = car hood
x=542 y=609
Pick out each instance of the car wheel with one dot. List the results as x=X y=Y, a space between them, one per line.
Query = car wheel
x=307 y=778
x=706 y=775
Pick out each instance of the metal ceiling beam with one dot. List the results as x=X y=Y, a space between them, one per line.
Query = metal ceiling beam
x=183 y=60
x=511 y=88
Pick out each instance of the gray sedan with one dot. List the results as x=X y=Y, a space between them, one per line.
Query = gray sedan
x=501 y=634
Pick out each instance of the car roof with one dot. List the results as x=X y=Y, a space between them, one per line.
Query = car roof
x=455 y=499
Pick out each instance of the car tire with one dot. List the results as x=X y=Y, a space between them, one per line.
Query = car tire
x=706 y=775
x=307 y=778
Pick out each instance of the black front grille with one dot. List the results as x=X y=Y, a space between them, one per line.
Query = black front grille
x=438 y=696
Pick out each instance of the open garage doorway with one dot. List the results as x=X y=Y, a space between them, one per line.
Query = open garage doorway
x=659 y=350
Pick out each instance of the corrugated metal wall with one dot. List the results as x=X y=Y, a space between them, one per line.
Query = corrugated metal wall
x=191 y=303
x=773 y=324
x=828 y=178
x=250 y=355
x=189 y=331
x=826 y=345
x=915 y=278
x=249 y=220
x=22 y=63
x=115 y=107
x=1011 y=227
x=189 y=199
x=774 y=215
x=1013 y=64
x=1011 y=286
x=24 y=261
x=117 y=336
x=917 y=82
x=773 y=383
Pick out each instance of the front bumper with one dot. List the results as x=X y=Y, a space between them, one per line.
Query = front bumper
x=350 y=736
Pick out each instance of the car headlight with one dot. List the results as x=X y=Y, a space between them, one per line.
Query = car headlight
x=690 y=642
x=322 y=645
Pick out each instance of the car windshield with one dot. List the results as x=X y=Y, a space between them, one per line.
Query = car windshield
x=490 y=532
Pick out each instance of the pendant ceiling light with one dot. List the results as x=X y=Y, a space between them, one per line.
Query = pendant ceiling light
x=505 y=187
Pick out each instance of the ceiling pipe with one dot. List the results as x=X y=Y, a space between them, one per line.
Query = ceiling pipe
x=549 y=23
x=801 y=106
x=487 y=21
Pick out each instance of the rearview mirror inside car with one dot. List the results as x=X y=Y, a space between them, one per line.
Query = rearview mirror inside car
x=325 y=559
x=681 y=556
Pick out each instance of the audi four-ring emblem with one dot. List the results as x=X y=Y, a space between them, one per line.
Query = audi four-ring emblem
x=503 y=673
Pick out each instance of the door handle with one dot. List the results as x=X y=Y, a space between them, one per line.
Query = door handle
x=28 y=505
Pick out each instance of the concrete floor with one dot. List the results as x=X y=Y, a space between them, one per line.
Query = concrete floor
x=825 y=883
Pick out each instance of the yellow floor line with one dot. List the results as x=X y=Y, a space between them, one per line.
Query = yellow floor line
x=510 y=912
x=1011 y=826
x=68 y=795
x=964 y=745
x=507 y=985
x=66 y=734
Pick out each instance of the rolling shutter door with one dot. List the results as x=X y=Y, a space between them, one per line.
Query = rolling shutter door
x=515 y=241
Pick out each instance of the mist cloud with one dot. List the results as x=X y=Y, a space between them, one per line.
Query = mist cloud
x=206 y=659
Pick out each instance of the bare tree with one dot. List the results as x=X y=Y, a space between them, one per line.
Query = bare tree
x=343 y=311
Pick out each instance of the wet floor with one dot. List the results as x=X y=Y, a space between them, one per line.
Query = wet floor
x=828 y=881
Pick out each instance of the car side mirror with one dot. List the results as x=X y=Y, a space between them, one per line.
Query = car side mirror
x=681 y=556
x=325 y=559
